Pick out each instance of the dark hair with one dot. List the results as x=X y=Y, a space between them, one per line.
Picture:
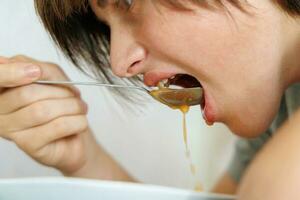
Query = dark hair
x=291 y=6
x=85 y=40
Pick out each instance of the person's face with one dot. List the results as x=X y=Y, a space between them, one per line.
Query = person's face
x=235 y=56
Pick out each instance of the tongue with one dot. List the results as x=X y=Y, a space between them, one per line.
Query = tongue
x=184 y=80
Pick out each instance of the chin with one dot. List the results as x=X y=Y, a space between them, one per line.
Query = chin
x=249 y=128
x=246 y=132
x=254 y=121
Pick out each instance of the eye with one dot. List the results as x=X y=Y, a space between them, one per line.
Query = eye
x=125 y=4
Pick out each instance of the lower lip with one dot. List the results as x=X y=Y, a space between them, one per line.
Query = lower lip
x=207 y=111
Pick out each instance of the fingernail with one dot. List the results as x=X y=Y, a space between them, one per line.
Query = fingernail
x=32 y=71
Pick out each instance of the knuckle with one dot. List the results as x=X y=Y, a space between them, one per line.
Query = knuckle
x=25 y=143
x=83 y=123
x=40 y=111
x=61 y=124
x=54 y=66
x=3 y=129
x=71 y=124
x=79 y=105
x=27 y=94
x=6 y=126
x=51 y=64
x=33 y=88
x=71 y=106
x=31 y=91
x=24 y=95
x=11 y=73
x=56 y=70
x=26 y=146
x=65 y=92
x=69 y=93
x=19 y=57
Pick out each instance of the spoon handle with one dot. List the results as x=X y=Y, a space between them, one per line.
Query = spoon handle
x=91 y=84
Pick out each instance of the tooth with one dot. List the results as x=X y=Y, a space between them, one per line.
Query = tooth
x=172 y=77
x=160 y=85
x=163 y=83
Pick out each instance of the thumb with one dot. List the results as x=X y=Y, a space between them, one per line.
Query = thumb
x=17 y=74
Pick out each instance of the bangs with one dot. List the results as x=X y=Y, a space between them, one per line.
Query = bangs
x=85 y=41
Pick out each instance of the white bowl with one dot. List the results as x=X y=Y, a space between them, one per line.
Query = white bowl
x=81 y=189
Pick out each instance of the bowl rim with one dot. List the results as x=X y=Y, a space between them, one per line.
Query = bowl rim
x=106 y=184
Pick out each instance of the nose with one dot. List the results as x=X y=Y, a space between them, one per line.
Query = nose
x=126 y=54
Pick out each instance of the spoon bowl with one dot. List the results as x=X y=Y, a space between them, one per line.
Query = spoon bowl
x=178 y=97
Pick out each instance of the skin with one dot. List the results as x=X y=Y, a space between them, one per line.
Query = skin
x=57 y=126
x=244 y=62
x=274 y=174
x=226 y=185
x=187 y=42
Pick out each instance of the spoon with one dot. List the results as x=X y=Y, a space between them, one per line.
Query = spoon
x=171 y=97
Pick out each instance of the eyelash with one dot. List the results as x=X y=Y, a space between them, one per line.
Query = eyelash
x=125 y=4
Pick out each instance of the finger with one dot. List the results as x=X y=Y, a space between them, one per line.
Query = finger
x=23 y=58
x=16 y=74
x=50 y=71
x=41 y=113
x=33 y=139
x=55 y=73
x=14 y=99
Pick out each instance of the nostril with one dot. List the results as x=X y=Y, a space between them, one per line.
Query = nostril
x=134 y=68
x=126 y=62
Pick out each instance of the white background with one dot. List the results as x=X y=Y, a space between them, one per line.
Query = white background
x=149 y=145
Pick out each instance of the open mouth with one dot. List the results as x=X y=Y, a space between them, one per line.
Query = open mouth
x=174 y=81
x=182 y=80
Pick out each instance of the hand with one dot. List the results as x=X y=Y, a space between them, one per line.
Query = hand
x=274 y=173
x=47 y=122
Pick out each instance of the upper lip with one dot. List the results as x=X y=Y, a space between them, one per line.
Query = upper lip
x=153 y=78
x=182 y=80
